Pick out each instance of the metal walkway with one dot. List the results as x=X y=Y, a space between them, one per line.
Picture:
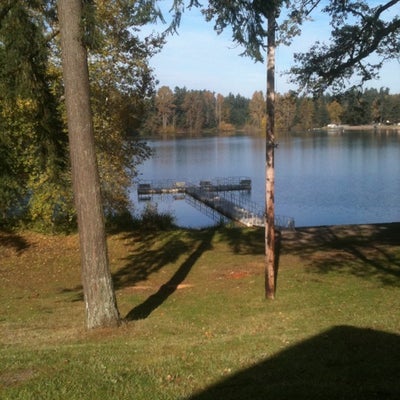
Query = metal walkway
x=217 y=197
x=182 y=186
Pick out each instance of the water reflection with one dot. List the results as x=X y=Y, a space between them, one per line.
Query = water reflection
x=321 y=178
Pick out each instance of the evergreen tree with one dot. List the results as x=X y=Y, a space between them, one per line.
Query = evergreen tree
x=321 y=115
x=179 y=117
x=34 y=169
x=238 y=109
x=359 y=30
x=355 y=108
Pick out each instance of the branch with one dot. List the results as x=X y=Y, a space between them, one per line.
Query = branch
x=324 y=65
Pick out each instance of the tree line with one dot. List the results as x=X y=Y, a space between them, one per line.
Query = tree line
x=184 y=111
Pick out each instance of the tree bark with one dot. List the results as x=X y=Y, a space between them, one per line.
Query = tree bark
x=269 y=164
x=99 y=297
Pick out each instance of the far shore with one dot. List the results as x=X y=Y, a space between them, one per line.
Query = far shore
x=380 y=127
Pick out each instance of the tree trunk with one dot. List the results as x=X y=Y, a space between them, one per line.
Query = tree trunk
x=269 y=165
x=100 y=302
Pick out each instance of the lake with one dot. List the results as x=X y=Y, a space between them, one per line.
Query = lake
x=322 y=178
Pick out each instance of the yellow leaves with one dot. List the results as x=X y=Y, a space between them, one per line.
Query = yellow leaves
x=26 y=104
x=18 y=117
x=335 y=111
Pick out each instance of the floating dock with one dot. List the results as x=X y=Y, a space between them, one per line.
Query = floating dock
x=216 y=197
x=182 y=186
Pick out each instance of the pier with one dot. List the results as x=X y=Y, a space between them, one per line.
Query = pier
x=218 y=198
x=182 y=186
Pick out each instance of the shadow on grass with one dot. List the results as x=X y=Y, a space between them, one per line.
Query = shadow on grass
x=342 y=363
x=156 y=249
x=244 y=240
x=278 y=250
x=252 y=241
x=368 y=251
x=153 y=251
x=170 y=252
x=13 y=241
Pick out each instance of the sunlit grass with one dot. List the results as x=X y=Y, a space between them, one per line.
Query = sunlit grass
x=197 y=321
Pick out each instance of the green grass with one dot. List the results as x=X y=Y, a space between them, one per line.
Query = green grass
x=197 y=324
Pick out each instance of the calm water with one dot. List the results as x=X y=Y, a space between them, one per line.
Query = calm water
x=321 y=179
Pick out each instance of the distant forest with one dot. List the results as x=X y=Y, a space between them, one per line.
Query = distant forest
x=183 y=111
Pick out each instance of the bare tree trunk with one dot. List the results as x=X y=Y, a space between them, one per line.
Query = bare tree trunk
x=100 y=302
x=269 y=165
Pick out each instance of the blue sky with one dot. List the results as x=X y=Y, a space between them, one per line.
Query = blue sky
x=198 y=58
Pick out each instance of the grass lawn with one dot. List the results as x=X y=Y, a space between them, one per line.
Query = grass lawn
x=197 y=324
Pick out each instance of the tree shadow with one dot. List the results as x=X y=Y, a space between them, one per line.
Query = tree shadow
x=252 y=241
x=278 y=250
x=244 y=240
x=343 y=362
x=344 y=248
x=12 y=241
x=152 y=252
x=144 y=309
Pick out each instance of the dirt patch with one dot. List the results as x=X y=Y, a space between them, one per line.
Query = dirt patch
x=238 y=274
x=182 y=286
x=16 y=377
x=143 y=287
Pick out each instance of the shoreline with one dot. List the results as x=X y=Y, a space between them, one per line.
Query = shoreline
x=347 y=226
x=369 y=127
x=388 y=233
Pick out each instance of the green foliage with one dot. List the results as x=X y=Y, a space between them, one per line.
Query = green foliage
x=179 y=98
x=257 y=108
x=247 y=21
x=165 y=106
x=34 y=172
x=359 y=30
x=238 y=109
x=189 y=110
x=199 y=110
x=152 y=219
x=195 y=111
x=121 y=81
x=285 y=111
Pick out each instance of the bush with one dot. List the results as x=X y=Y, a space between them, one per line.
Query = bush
x=152 y=219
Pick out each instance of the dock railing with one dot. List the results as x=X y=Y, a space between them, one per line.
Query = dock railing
x=219 y=194
x=146 y=187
